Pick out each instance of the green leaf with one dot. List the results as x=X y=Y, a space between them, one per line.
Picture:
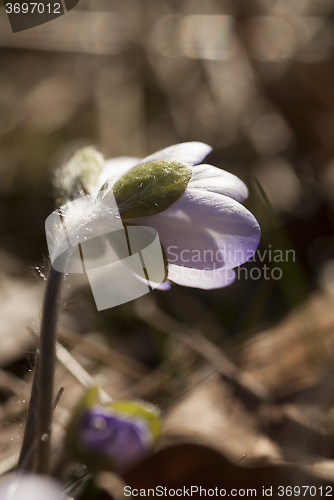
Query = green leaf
x=150 y=188
x=142 y=409
x=81 y=172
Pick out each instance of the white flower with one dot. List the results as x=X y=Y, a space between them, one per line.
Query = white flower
x=206 y=232
x=195 y=208
x=30 y=487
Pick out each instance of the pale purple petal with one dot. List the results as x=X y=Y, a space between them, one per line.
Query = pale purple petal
x=154 y=285
x=201 y=278
x=116 y=167
x=206 y=230
x=164 y=286
x=185 y=152
x=213 y=179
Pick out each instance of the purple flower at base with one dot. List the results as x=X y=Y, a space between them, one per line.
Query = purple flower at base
x=122 y=439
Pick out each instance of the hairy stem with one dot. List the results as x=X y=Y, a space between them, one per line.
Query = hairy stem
x=35 y=452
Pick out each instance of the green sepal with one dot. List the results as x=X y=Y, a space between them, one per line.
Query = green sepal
x=80 y=173
x=140 y=409
x=150 y=188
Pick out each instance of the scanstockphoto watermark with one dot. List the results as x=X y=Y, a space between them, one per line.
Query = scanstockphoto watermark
x=122 y=263
x=207 y=259
x=163 y=491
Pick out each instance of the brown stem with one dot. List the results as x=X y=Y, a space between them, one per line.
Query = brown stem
x=35 y=452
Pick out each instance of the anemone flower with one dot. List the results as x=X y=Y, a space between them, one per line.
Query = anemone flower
x=30 y=487
x=194 y=208
x=123 y=440
x=206 y=231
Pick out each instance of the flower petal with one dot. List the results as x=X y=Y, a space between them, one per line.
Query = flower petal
x=206 y=279
x=163 y=286
x=185 y=152
x=30 y=487
x=116 y=167
x=205 y=230
x=122 y=439
x=209 y=178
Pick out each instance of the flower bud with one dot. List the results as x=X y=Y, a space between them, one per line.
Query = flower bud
x=123 y=440
x=112 y=437
x=80 y=173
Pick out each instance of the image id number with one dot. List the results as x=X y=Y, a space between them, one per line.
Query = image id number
x=302 y=491
x=31 y=7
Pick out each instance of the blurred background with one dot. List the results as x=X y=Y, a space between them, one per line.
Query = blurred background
x=251 y=363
